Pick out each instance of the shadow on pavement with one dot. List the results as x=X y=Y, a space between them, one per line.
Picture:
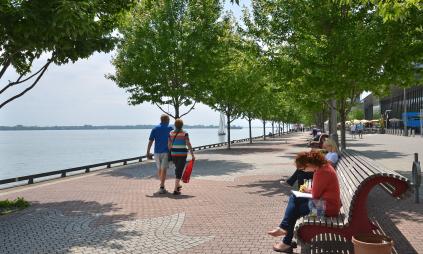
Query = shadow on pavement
x=245 y=149
x=382 y=154
x=267 y=188
x=170 y=196
x=388 y=212
x=353 y=145
x=59 y=227
x=203 y=167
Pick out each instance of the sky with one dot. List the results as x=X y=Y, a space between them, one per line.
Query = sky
x=78 y=93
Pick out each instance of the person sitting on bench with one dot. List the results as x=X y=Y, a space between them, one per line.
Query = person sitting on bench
x=332 y=156
x=325 y=192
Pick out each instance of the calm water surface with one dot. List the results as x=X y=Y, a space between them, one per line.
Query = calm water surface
x=30 y=152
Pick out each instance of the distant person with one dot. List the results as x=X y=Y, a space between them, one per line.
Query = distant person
x=353 y=130
x=179 y=144
x=159 y=135
x=360 y=130
x=314 y=132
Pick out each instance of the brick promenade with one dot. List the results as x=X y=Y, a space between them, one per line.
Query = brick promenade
x=233 y=198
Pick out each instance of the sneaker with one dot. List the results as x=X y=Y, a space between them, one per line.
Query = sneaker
x=162 y=190
x=176 y=193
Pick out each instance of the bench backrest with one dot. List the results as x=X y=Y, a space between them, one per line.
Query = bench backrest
x=357 y=175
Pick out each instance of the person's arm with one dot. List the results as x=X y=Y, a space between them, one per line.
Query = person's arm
x=150 y=143
x=149 y=155
x=190 y=147
x=169 y=142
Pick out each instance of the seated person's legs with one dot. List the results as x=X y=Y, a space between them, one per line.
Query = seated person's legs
x=296 y=208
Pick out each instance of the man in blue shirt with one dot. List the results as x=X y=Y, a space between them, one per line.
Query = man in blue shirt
x=360 y=129
x=160 y=135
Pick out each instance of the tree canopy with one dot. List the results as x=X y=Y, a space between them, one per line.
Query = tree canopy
x=64 y=30
x=167 y=51
x=326 y=50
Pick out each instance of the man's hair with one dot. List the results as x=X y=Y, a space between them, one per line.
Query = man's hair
x=179 y=123
x=164 y=118
x=313 y=157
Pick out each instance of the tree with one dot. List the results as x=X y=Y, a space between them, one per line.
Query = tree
x=167 y=51
x=356 y=114
x=230 y=85
x=64 y=30
x=326 y=50
x=394 y=9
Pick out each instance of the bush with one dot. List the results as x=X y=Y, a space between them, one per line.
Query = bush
x=8 y=206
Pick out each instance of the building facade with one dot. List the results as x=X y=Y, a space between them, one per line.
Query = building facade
x=392 y=106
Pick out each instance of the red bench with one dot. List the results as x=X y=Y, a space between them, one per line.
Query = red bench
x=357 y=176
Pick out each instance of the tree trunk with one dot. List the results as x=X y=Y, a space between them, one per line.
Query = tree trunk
x=176 y=106
x=343 y=116
x=264 y=130
x=279 y=129
x=273 y=129
x=249 y=127
x=333 y=122
x=228 y=116
x=405 y=113
x=5 y=65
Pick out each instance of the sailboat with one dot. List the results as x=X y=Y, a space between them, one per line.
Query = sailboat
x=221 y=130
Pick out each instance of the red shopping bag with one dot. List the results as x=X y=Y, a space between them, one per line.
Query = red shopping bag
x=187 y=172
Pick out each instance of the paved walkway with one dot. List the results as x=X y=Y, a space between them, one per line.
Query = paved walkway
x=230 y=203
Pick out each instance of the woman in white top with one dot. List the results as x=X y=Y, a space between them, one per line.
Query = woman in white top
x=333 y=153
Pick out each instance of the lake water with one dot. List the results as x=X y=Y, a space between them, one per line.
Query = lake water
x=30 y=152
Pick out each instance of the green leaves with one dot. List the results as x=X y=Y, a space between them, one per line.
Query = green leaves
x=70 y=29
x=66 y=30
x=167 y=51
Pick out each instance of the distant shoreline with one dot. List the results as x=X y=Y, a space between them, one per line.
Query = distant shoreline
x=100 y=127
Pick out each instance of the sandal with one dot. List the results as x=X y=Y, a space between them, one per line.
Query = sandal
x=277 y=248
x=277 y=232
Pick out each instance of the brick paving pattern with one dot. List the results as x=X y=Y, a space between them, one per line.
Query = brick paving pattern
x=232 y=200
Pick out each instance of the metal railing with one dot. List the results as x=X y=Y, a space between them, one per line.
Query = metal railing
x=108 y=164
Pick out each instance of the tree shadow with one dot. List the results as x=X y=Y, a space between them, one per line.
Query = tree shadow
x=351 y=144
x=302 y=145
x=289 y=155
x=202 y=167
x=382 y=154
x=235 y=151
x=268 y=188
x=388 y=213
x=59 y=227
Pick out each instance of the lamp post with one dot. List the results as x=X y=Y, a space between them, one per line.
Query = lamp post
x=405 y=114
x=386 y=117
x=421 y=122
